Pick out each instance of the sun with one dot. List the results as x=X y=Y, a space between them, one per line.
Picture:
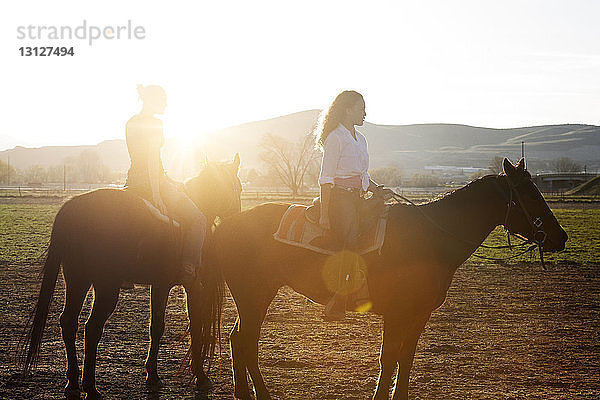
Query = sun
x=184 y=151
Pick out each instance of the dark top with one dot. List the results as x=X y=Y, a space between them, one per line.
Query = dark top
x=138 y=132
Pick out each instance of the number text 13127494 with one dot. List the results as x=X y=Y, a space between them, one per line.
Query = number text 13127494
x=46 y=51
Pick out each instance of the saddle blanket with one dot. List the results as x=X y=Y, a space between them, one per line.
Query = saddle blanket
x=295 y=229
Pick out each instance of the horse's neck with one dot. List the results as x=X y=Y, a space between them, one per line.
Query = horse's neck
x=466 y=217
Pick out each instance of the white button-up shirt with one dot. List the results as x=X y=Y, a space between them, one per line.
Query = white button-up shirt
x=344 y=157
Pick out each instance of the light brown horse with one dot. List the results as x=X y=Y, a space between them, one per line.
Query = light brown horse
x=423 y=248
x=108 y=236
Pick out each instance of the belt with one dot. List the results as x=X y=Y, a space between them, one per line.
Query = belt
x=349 y=189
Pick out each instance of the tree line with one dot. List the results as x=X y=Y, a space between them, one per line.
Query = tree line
x=87 y=167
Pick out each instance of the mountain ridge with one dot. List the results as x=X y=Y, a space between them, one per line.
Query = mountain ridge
x=411 y=146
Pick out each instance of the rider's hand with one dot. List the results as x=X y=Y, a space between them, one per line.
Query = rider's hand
x=324 y=222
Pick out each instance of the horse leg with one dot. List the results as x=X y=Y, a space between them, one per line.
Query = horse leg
x=405 y=360
x=251 y=320
x=75 y=295
x=240 y=379
x=105 y=301
x=158 y=303
x=392 y=341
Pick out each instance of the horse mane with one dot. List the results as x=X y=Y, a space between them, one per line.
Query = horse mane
x=458 y=193
x=206 y=167
x=455 y=195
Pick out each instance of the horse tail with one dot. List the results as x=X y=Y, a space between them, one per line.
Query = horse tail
x=205 y=305
x=29 y=346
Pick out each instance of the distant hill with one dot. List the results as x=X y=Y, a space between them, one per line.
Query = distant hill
x=411 y=146
x=245 y=138
x=463 y=145
x=112 y=153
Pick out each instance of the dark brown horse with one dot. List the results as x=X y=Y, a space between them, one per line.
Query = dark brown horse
x=107 y=236
x=423 y=248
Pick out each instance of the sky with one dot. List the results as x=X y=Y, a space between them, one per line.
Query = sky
x=497 y=64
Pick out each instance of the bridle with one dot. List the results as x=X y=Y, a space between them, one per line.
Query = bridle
x=538 y=235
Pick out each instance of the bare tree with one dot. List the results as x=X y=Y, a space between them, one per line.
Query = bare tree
x=289 y=161
x=7 y=172
x=565 y=164
x=496 y=165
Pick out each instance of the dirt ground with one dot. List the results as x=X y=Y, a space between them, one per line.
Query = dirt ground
x=505 y=332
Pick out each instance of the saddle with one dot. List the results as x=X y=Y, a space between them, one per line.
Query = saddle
x=300 y=227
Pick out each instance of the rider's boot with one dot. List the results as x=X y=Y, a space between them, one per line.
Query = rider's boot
x=335 y=310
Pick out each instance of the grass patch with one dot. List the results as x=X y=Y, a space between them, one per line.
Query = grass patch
x=583 y=246
x=25 y=233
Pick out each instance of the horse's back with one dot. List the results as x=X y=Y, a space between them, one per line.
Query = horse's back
x=257 y=221
x=107 y=228
x=242 y=240
x=101 y=199
x=102 y=206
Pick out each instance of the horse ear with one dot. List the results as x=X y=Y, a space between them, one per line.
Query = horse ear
x=521 y=165
x=236 y=161
x=507 y=167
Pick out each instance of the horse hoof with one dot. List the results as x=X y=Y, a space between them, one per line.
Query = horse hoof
x=242 y=395
x=72 y=393
x=203 y=383
x=93 y=394
x=153 y=381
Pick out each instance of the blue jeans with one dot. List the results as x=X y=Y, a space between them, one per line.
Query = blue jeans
x=344 y=209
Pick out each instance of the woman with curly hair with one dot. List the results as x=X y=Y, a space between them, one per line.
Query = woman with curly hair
x=344 y=178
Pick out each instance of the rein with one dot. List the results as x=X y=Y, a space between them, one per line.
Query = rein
x=535 y=224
